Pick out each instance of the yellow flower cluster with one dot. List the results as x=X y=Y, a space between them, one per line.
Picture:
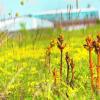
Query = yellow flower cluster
x=20 y=53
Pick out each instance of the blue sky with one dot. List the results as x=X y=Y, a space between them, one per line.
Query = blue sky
x=33 y=6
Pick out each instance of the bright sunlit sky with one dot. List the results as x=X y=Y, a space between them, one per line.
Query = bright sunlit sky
x=33 y=6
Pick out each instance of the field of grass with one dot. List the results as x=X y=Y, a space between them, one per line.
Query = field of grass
x=24 y=75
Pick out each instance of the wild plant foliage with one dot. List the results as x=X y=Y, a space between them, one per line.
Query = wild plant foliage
x=90 y=45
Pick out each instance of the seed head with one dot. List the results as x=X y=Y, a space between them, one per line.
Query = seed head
x=89 y=43
x=67 y=57
x=61 y=38
x=96 y=44
x=60 y=41
x=52 y=43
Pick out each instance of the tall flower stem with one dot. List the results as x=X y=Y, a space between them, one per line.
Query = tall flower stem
x=68 y=67
x=61 y=63
x=91 y=70
x=48 y=54
x=89 y=46
x=97 y=50
x=61 y=46
x=98 y=75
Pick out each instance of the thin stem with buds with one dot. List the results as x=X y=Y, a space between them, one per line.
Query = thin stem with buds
x=97 y=50
x=61 y=46
x=89 y=47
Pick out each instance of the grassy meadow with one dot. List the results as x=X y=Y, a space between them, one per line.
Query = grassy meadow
x=24 y=74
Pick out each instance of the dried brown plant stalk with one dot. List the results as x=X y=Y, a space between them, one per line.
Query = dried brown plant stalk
x=89 y=47
x=97 y=50
x=61 y=46
x=68 y=66
x=48 y=54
